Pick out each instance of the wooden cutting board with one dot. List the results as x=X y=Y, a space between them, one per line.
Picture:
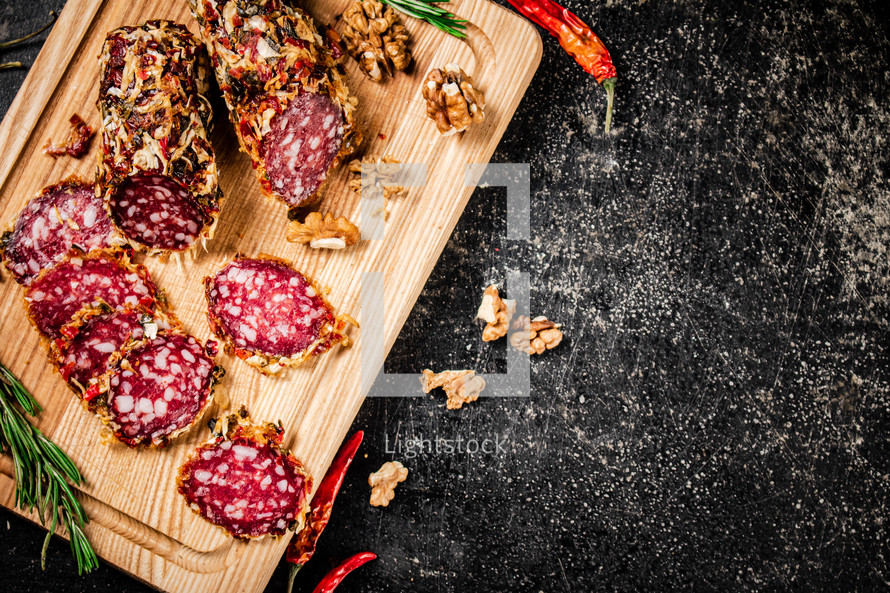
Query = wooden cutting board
x=139 y=521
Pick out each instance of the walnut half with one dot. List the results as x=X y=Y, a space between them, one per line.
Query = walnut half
x=535 y=336
x=497 y=312
x=461 y=387
x=383 y=482
x=383 y=178
x=323 y=232
x=451 y=100
x=376 y=38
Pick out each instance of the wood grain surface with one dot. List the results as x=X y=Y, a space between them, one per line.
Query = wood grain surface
x=316 y=402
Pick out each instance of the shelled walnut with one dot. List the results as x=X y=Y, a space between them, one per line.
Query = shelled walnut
x=451 y=100
x=376 y=38
x=461 y=387
x=381 y=179
x=323 y=232
x=383 y=482
x=497 y=312
x=535 y=336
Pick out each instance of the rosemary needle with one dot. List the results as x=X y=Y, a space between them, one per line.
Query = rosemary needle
x=426 y=10
x=42 y=472
x=12 y=42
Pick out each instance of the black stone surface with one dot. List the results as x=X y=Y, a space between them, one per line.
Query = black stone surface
x=717 y=418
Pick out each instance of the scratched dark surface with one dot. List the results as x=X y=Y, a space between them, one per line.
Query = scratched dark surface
x=718 y=416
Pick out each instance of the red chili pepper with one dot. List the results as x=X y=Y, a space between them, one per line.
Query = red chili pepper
x=336 y=576
x=302 y=546
x=577 y=39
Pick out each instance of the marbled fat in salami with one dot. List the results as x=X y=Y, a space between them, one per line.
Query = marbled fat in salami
x=245 y=483
x=60 y=217
x=157 y=389
x=88 y=342
x=58 y=293
x=269 y=314
x=157 y=170
x=286 y=93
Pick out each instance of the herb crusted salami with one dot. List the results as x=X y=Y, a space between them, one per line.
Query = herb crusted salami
x=157 y=171
x=59 y=218
x=270 y=315
x=244 y=482
x=286 y=96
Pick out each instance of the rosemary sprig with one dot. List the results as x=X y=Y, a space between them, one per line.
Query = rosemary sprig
x=426 y=10
x=42 y=472
x=14 y=42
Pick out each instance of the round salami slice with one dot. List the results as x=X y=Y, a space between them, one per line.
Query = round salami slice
x=270 y=315
x=58 y=293
x=301 y=147
x=158 y=212
x=88 y=342
x=60 y=217
x=156 y=389
x=243 y=482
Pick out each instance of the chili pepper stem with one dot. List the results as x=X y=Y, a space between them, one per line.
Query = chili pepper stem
x=609 y=85
x=11 y=65
x=13 y=42
x=292 y=575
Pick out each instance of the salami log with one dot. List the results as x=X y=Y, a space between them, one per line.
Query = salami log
x=286 y=95
x=80 y=280
x=156 y=389
x=157 y=172
x=85 y=348
x=59 y=218
x=243 y=482
x=270 y=315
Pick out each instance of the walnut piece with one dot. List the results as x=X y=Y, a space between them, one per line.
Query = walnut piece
x=376 y=38
x=451 y=100
x=382 y=179
x=383 y=482
x=461 y=387
x=497 y=312
x=323 y=232
x=535 y=336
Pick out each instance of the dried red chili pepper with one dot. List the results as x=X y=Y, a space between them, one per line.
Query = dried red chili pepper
x=302 y=546
x=336 y=576
x=78 y=141
x=577 y=39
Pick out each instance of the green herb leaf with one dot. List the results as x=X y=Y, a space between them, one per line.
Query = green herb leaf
x=426 y=10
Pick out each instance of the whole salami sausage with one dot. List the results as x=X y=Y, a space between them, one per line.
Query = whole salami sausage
x=244 y=482
x=85 y=348
x=58 y=293
x=157 y=171
x=270 y=315
x=286 y=95
x=60 y=217
x=156 y=388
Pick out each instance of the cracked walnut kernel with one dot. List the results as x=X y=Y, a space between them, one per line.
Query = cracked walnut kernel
x=383 y=482
x=323 y=232
x=497 y=312
x=376 y=38
x=451 y=100
x=535 y=336
x=382 y=178
x=461 y=387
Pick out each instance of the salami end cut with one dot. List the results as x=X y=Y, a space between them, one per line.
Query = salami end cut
x=244 y=482
x=270 y=315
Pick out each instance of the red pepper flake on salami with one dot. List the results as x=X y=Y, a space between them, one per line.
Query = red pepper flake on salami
x=244 y=482
x=157 y=389
x=157 y=171
x=286 y=93
x=60 y=217
x=270 y=315
x=89 y=341
x=54 y=297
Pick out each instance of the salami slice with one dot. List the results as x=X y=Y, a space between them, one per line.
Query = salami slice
x=157 y=389
x=270 y=315
x=88 y=342
x=60 y=217
x=243 y=482
x=286 y=95
x=157 y=173
x=54 y=297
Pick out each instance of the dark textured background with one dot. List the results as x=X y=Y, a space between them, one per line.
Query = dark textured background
x=717 y=417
